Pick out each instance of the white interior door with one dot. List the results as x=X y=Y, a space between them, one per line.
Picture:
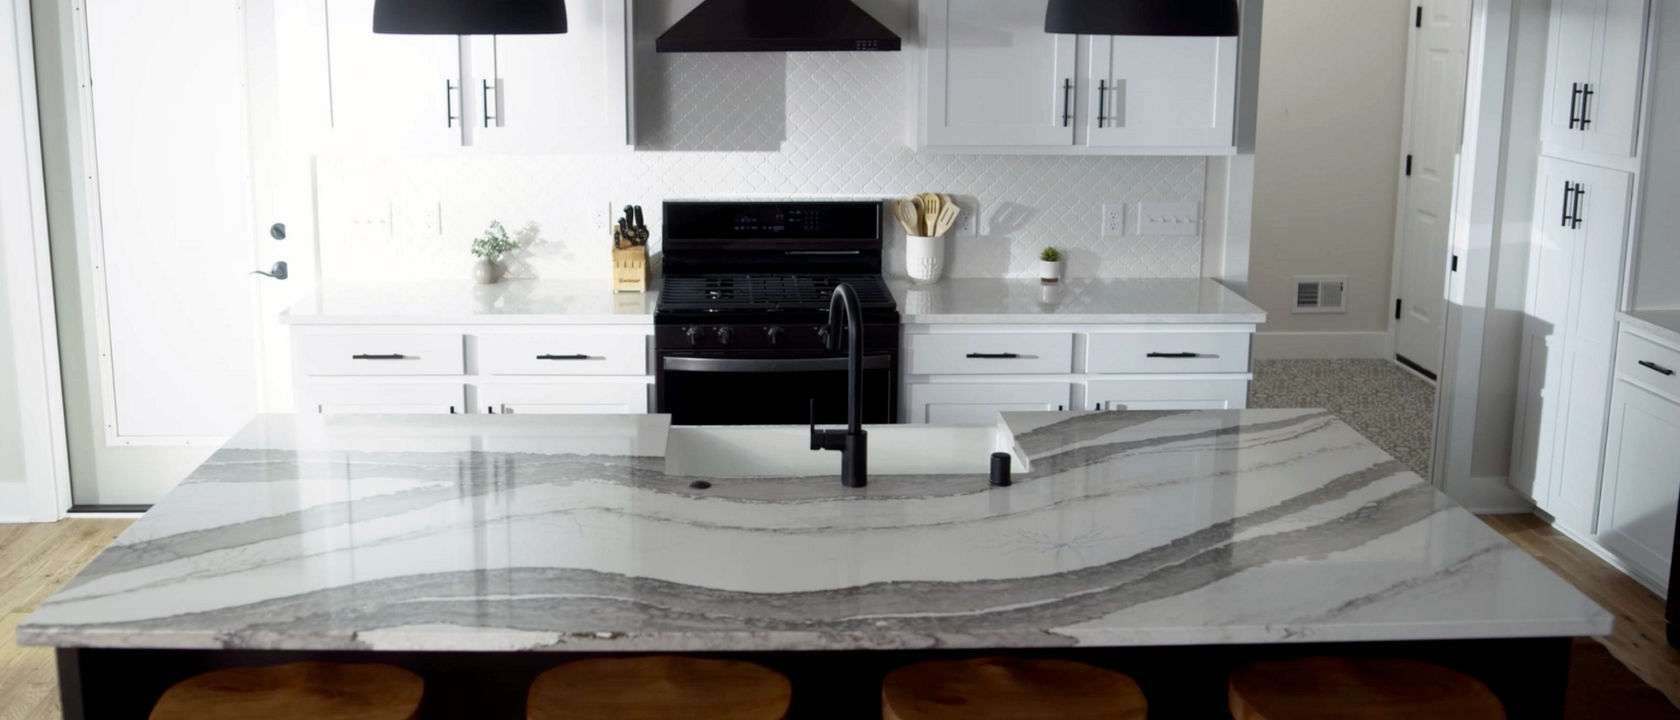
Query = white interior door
x=993 y=77
x=1435 y=114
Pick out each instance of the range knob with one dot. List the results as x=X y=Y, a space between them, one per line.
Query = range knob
x=725 y=335
x=775 y=335
x=693 y=333
x=822 y=334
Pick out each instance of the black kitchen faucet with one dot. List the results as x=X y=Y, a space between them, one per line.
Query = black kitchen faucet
x=853 y=442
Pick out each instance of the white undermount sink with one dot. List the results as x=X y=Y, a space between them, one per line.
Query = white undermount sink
x=784 y=451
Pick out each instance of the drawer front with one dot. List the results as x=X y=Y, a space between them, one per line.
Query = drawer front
x=562 y=354
x=1646 y=362
x=978 y=404
x=584 y=398
x=990 y=354
x=1147 y=352
x=381 y=399
x=1106 y=395
x=380 y=354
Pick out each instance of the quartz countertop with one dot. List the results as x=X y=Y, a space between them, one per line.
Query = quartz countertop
x=450 y=302
x=478 y=533
x=1074 y=301
x=1665 y=324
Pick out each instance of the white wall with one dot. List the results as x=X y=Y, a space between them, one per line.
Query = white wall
x=755 y=124
x=11 y=425
x=1327 y=157
x=1659 y=222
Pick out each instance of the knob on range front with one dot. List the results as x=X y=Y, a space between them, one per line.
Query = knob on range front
x=725 y=335
x=775 y=335
x=693 y=334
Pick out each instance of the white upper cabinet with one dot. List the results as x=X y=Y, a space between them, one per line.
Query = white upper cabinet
x=993 y=77
x=1594 y=69
x=991 y=80
x=544 y=93
x=524 y=94
x=1160 y=92
x=391 y=90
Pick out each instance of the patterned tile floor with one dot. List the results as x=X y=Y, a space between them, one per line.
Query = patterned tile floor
x=1384 y=402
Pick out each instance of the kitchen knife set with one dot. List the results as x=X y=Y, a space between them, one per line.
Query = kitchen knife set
x=631 y=230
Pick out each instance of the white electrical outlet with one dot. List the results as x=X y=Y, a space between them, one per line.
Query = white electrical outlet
x=1114 y=220
x=1169 y=219
x=968 y=223
x=601 y=216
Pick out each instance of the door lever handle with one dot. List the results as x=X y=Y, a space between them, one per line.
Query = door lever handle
x=278 y=272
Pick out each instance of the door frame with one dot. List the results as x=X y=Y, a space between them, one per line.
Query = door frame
x=1391 y=342
x=28 y=279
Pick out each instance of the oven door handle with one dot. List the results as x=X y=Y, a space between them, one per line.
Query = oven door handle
x=771 y=365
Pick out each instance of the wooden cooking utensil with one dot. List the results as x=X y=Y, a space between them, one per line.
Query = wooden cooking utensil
x=908 y=216
x=921 y=212
x=931 y=205
x=947 y=218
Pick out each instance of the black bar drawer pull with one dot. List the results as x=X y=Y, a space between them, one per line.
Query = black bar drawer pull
x=1175 y=356
x=393 y=356
x=1653 y=366
x=563 y=357
x=993 y=356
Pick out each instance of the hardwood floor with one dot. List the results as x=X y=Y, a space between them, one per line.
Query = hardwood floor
x=36 y=559
x=1639 y=638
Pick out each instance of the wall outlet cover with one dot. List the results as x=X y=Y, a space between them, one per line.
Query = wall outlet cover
x=1165 y=219
x=968 y=223
x=1114 y=220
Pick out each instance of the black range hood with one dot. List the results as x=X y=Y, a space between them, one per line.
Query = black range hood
x=777 y=26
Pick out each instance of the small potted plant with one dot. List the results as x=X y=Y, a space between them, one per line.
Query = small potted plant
x=1050 y=265
x=489 y=249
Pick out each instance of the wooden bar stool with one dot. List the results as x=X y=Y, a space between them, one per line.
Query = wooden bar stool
x=659 y=687
x=1327 y=687
x=305 y=691
x=996 y=688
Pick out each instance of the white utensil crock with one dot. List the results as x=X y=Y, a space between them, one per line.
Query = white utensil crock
x=925 y=258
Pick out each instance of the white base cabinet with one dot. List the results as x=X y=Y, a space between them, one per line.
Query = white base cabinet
x=978 y=404
x=1642 y=457
x=564 y=398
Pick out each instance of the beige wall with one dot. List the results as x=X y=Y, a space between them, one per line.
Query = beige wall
x=1332 y=86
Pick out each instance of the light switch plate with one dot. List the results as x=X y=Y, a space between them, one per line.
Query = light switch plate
x=1169 y=219
x=1114 y=220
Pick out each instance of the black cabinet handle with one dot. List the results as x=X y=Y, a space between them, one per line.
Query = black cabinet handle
x=1658 y=368
x=562 y=357
x=1067 y=102
x=1574 y=102
x=993 y=356
x=1102 y=102
x=1586 y=102
x=449 y=103
x=486 y=101
x=1181 y=355
x=1568 y=192
x=1575 y=214
x=393 y=356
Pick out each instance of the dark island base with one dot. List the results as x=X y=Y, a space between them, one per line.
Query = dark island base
x=1528 y=675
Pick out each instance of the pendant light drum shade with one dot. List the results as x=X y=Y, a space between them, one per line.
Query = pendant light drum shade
x=469 y=17
x=1183 y=18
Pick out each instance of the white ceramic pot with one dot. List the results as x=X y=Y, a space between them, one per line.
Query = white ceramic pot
x=486 y=272
x=925 y=258
x=1050 y=270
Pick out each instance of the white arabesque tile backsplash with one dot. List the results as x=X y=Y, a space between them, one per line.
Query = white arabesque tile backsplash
x=746 y=126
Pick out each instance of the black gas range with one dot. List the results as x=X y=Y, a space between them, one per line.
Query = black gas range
x=739 y=334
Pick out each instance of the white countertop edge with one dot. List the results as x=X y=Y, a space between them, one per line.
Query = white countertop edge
x=1667 y=334
x=627 y=319
x=1087 y=319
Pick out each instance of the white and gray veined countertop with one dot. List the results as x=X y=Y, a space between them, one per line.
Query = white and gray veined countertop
x=953 y=301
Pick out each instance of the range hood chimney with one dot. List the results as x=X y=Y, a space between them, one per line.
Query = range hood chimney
x=777 y=26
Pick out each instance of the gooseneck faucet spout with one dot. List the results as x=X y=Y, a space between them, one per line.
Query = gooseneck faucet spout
x=853 y=443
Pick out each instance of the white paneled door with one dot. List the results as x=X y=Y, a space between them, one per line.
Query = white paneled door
x=1435 y=114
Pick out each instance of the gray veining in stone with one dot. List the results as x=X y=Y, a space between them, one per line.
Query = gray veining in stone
x=567 y=533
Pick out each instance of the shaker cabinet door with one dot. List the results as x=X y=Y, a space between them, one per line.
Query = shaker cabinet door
x=392 y=91
x=555 y=93
x=1641 y=479
x=1171 y=93
x=992 y=77
x=1612 y=111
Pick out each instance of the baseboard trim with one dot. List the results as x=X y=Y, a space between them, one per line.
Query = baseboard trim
x=1490 y=495
x=1321 y=345
x=14 y=502
x=1609 y=557
x=108 y=511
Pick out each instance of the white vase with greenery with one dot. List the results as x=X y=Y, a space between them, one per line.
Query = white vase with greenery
x=489 y=249
x=1050 y=265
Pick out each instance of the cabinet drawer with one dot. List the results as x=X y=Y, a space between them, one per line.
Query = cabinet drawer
x=1646 y=362
x=567 y=398
x=380 y=354
x=990 y=354
x=972 y=404
x=1167 y=352
x=363 y=398
x=1166 y=394
x=562 y=354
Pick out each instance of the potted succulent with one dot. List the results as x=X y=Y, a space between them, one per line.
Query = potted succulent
x=1050 y=265
x=489 y=249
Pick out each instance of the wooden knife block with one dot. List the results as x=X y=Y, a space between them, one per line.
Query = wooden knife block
x=630 y=269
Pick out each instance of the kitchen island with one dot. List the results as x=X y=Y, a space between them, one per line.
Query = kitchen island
x=480 y=550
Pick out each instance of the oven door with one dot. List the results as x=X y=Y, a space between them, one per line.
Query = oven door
x=700 y=388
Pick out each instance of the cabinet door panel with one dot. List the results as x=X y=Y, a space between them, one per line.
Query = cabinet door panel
x=980 y=403
x=1166 y=395
x=392 y=90
x=993 y=77
x=1569 y=65
x=1613 y=109
x=380 y=399
x=546 y=93
x=1168 y=92
x=582 y=398
x=1641 y=479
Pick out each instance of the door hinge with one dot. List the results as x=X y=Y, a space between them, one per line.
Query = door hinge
x=1396 y=308
x=1408 y=166
x=1419 y=21
x=1455 y=263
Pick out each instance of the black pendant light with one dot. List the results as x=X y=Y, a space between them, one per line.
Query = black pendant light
x=1193 y=18
x=469 y=17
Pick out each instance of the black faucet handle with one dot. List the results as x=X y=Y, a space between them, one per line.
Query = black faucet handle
x=814 y=444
